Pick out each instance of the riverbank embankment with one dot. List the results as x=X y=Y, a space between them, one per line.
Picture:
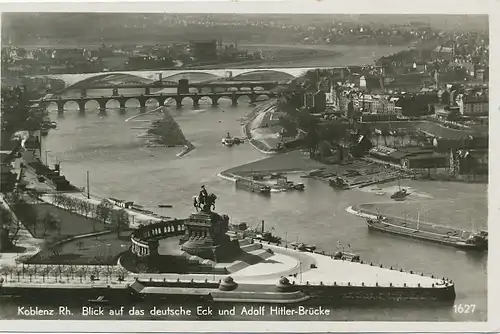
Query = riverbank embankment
x=164 y=132
x=356 y=174
x=252 y=129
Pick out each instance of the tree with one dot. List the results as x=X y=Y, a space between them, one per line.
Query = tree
x=103 y=211
x=120 y=220
x=17 y=113
x=50 y=223
x=9 y=229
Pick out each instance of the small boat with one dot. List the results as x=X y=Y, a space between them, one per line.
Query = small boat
x=339 y=183
x=346 y=256
x=445 y=235
x=165 y=206
x=400 y=194
x=263 y=235
x=99 y=300
x=377 y=132
x=303 y=247
x=229 y=141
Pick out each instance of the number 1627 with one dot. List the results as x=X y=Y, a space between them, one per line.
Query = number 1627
x=464 y=308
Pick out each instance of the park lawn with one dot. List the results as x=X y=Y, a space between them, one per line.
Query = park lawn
x=71 y=224
x=104 y=249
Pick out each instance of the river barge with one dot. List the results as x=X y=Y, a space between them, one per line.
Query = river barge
x=445 y=235
x=283 y=184
x=253 y=186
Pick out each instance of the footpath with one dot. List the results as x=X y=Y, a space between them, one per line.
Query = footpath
x=25 y=240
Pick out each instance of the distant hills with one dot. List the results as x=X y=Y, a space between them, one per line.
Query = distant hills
x=49 y=28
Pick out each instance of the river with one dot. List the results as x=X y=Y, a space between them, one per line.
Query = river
x=121 y=167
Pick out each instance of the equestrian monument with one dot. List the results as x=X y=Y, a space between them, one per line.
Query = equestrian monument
x=205 y=231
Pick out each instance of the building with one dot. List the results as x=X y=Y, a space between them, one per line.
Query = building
x=443 y=52
x=204 y=50
x=473 y=105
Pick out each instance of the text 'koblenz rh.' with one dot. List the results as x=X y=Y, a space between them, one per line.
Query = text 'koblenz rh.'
x=38 y=311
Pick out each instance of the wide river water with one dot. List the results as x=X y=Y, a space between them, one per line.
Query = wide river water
x=121 y=166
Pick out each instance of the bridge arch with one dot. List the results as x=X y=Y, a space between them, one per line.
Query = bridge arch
x=132 y=102
x=272 y=75
x=92 y=105
x=113 y=79
x=153 y=102
x=113 y=104
x=192 y=76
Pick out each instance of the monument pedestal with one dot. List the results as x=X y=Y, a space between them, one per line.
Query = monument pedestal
x=206 y=237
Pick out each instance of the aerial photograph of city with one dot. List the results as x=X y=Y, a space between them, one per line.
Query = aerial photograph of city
x=244 y=167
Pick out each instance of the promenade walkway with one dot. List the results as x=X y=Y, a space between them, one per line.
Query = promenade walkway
x=25 y=240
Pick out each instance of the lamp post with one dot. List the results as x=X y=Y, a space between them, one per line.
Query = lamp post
x=88 y=185
x=300 y=271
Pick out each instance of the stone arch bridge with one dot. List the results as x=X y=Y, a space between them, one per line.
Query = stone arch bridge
x=160 y=98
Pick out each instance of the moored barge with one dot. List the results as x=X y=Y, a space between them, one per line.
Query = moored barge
x=253 y=186
x=445 y=235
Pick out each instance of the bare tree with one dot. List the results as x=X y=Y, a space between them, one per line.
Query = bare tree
x=120 y=220
x=103 y=211
x=45 y=271
x=50 y=223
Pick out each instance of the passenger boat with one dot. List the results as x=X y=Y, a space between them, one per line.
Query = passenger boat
x=253 y=186
x=445 y=235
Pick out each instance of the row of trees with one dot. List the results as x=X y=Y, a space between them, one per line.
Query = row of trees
x=29 y=216
x=104 y=212
x=58 y=272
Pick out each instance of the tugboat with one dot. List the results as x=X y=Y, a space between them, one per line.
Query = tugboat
x=263 y=235
x=445 y=235
x=400 y=194
x=229 y=141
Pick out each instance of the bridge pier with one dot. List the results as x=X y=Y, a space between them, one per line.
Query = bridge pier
x=60 y=107
x=102 y=106
x=196 y=101
x=142 y=103
x=122 y=105
x=178 y=102
x=161 y=100
x=81 y=107
x=234 y=99
x=253 y=98
x=215 y=100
